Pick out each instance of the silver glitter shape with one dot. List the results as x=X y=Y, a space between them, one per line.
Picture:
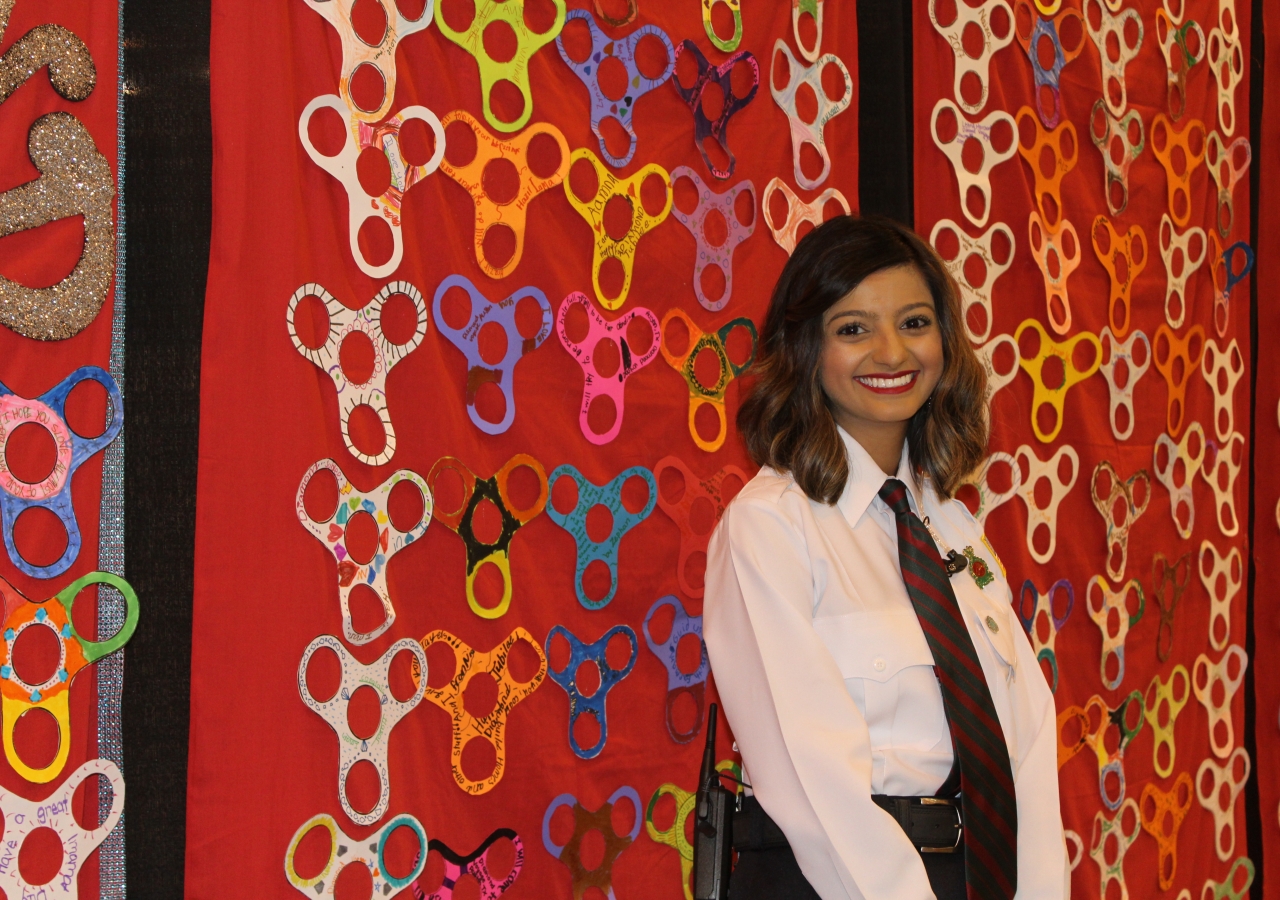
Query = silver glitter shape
x=75 y=179
x=71 y=70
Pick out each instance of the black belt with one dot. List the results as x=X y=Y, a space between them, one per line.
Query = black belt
x=933 y=824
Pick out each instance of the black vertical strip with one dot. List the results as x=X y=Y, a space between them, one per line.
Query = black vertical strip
x=1252 y=802
x=169 y=155
x=885 y=151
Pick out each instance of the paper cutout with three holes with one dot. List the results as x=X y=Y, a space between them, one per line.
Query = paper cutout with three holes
x=369 y=852
x=1172 y=698
x=679 y=682
x=711 y=393
x=1179 y=58
x=476 y=866
x=802 y=132
x=1047 y=78
x=1054 y=397
x=674 y=836
x=982 y=132
x=1043 y=606
x=584 y=822
x=967 y=63
x=696 y=510
x=983 y=249
x=1121 y=393
x=1113 y=612
x=799 y=212
x=721 y=76
x=718 y=255
x=593 y=703
x=1044 y=517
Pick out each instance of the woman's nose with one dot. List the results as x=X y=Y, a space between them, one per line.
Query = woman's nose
x=889 y=350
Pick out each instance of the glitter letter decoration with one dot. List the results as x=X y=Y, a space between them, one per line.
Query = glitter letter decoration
x=75 y=180
x=334 y=710
x=494 y=489
x=622 y=520
x=69 y=64
x=1043 y=605
x=966 y=64
x=367 y=320
x=975 y=294
x=953 y=149
x=1047 y=517
x=344 y=851
x=675 y=835
x=509 y=212
x=1054 y=397
x=1219 y=713
x=600 y=821
x=48 y=411
x=360 y=204
x=514 y=70
x=1222 y=577
x=332 y=532
x=594 y=384
x=680 y=511
x=707 y=394
x=1175 y=251
x=803 y=132
x=720 y=255
x=1119 y=521
x=74 y=653
x=491 y=727
x=1174 y=698
x=1117 y=602
x=798 y=212
x=476 y=865
x=592 y=209
x=703 y=128
x=1046 y=79
x=1109 y=132
x=467 y=340
x=1224 y=817
x=678 y=682
x=382 y=56
x=1115 y=352
x=594 y=704
x=55 y=812
x=604 y=47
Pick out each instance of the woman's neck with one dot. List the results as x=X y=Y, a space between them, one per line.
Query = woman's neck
x=882 y=440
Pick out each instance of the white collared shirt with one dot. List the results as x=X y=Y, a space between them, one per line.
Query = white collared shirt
x=828 y=682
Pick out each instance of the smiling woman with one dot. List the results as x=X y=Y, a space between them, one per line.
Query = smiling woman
x=864 y=650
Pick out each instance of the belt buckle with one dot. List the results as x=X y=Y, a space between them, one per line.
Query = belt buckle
x=943 y=801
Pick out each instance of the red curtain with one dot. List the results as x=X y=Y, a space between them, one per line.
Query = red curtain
x=1164 y=637
x=262 y=763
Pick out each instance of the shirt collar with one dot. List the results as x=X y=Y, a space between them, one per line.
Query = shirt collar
x=866 y=478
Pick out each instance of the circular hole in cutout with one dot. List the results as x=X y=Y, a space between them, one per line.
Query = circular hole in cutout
x=364 y=712
x=543 y=155
x=591 y=849
x=597 y=581
x=587 y=678
x=31 y=453
x=634 y=494
x=364 y=427
x=564 y=495
x=361 y=538
x=313 y=852
x=971 y=88
x=311 y=322
x=708 y=368
x=417 y=142
x=37 y=654
x=40 y=857
x=689 y=654
x=369 y=21
x=617 y=141
x=685 y=715
x=618 y=217
x=458 y=14
x=623 y=816
x=368 y=88
x=500 y=42
x=442 y=664
x=599 y=523
x=367 y=611
x=405 y=506
x=501 y=181
x=523 y=661
x=491 y=403
x=531 y=320
x=613 y=277
x=456 y=308
x=85 y=410
x=707 y=423
x=480 y=697
x=488 y=588
x=506 y=102
x=712 y=282
x=398 y=319
x=972 y=155
x=39 y=536
x=611 y=75
x=323 y=674
x=479 y=759
x=975 y=201
x=617 y=653
x=400 y=676
x=363 y=788
x=601 y=414
x=375 y=241
x=492 y=343
x=460 y=146
x=539 y=16
x=486 y=522
x=807 y=27
x=357 y=357
x=327 y=131
x=584 y=182
x=715 y=229
x=712 y=101
x=664 y=813
x=684 y=195
x=976 y=318
x=606 y=357
x=947 y=125
x=400 y=853
x=575 y=39
x=524 y=487
x=36 y=738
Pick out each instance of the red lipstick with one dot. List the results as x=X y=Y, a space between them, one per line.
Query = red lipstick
x=894 y=388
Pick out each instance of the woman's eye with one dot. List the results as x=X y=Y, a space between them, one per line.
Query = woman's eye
x=917 y=322
x=850 y=329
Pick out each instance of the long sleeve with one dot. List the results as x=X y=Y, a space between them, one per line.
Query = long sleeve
x=804 y=741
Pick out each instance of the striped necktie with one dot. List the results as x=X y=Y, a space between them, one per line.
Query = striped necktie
x=986 y=778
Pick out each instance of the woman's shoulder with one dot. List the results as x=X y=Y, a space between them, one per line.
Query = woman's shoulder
x=769 y=495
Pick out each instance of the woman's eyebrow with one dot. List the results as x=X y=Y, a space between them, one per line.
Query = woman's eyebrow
x=864 y=314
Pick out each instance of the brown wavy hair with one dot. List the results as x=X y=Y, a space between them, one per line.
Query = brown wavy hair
x=786 y=419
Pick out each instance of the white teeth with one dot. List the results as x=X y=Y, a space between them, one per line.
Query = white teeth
x=900 y=381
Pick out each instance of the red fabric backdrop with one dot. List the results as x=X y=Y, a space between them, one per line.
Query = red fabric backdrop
x=1081 y=550
x=41 y=257
x=261 y=762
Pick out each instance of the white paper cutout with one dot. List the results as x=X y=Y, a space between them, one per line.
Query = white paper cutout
x=1224 y=468
x=990 y=500
x=1170 y=249
x=979 y=294
x=1180 y=494
x=344 y=851
x=1217 y=366
x=1221 y=162
x=1226 y=62
x=803 y=132
x=1113 y=69
x=1230 y=569
x=798 y=212
x=1114 y=351
x=1049 y=250
x=991 y=42
x=997 y=380
x=1047 y=517
x=1224 y=820
x=954 y=149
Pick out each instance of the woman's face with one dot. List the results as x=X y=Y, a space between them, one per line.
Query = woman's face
x=881 y=354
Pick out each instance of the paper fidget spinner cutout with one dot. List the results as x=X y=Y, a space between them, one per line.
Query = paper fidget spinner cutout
x=1115 y=352
x=1169 y=580
x=722 y=44
x=352 y=748
x=798 y=212
x=361 y=205
x=357 y=52
x=461 y=521
x=1055 y=397
x=508 y=212
x=1113 y=28
x=712 y=394
x=344 y=851
x=23 y=816
x=1226 y=63
x=718 y=255
x=1111 y=762
x=1178 y=167
x=492 y=727
x=1222 y=577
x=592 y=209
x=1181 y=354
x=989 y=499
x=516 y=69
x=1226 y=275
x=1222 y=369
x=344 y=322
x=981 y=132
x=1042 y=605
x=584 y=822
x=638 y=84
x=1175 y=252
x=1046 y=517
x=1227 y=890
x=996 y=379
x=475 y=865
x=965 y=64
x=1224 y=817
x=1101 y=613
x=1050 y=250
x=678 y=681
x=674 y=836
x=1111 y=841
x=53 y=695
x=1221 y=161
x=332 y=532
x=594 y=384
x=1180 y=494
x=622 y=520
x=703 y=128
x=593 y=704
x=1213 y=674
x=975 y=294
x=1124 y=256
x=1172 y=699
x=709 y=495
x=1046 y=79
x=1109 y=134
x=1049 y=188
x=803 y=132
x=467 y=339
x=1116 y=504
x=814 y=9
x=53 y=492
x=1178 y=58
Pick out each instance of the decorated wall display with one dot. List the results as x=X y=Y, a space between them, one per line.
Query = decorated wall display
x=67 y=610
x=1085 y=169
x=485 y=280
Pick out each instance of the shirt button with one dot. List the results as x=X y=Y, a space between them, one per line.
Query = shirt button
x=991 y=623
x=879 y=665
